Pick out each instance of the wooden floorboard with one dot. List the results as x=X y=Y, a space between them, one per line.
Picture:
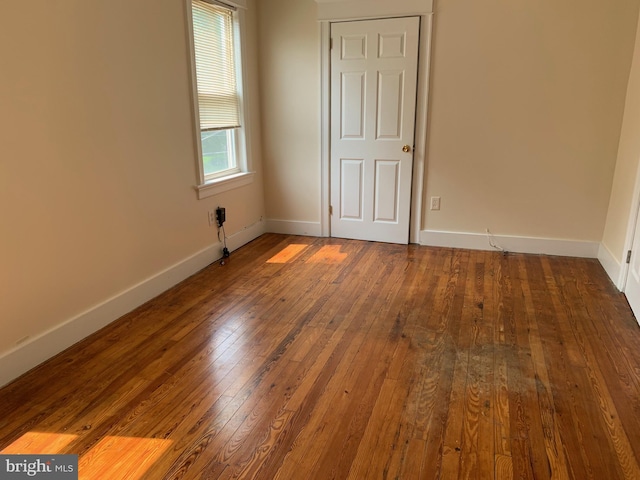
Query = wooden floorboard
x=312 y=358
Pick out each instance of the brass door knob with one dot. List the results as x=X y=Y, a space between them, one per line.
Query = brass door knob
x=406 y=148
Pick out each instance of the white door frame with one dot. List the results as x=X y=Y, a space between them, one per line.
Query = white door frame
x=621 y=282
x=364 y=11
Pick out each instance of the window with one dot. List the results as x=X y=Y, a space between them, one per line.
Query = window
x=217 y=68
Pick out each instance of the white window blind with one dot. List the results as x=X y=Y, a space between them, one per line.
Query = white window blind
x=215 y=66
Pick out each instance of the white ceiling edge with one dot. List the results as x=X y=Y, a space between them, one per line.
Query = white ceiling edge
x=351 y=9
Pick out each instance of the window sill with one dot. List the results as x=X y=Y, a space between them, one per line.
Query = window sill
x=219 y=185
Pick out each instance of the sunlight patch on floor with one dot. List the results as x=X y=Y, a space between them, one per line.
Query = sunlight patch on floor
x=40 y=442
x=123 y=457
x=112 y=458
x=288 y=253
x=328 y=254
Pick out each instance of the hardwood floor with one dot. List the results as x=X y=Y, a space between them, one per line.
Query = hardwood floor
x=307 y=358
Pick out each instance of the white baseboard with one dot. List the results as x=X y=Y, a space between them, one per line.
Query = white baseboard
x=246 y=235
x=292 y=227
x=611 y=265
x=536 y=245
x=36 y=350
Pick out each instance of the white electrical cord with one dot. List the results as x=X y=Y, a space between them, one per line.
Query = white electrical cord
x=492 y=242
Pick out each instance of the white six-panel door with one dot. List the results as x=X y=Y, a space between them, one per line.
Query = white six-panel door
x=373 y=96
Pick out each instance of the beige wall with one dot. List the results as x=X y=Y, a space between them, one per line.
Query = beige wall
x=526 y=106
x=290 y=95
x=98 y=161
x=621 y=202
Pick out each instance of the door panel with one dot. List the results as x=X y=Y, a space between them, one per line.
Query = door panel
x=373 y=96
x=386 y=191
x=352 y=105
x=391 y=45
x=390 y=93
x=351 y=189
x=353 y=47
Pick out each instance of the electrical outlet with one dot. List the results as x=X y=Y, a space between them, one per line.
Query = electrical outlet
x=221 y=216
x=212 y=218
x=435 y=203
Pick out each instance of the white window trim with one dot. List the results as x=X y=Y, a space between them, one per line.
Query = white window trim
x=223 y=184
x=244 y=174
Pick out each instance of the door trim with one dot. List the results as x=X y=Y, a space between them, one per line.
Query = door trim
x=630 y=235
x=331 y=10
x=421 y=125
x=618 y=271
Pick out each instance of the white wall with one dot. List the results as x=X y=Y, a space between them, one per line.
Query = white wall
x=98 y=162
